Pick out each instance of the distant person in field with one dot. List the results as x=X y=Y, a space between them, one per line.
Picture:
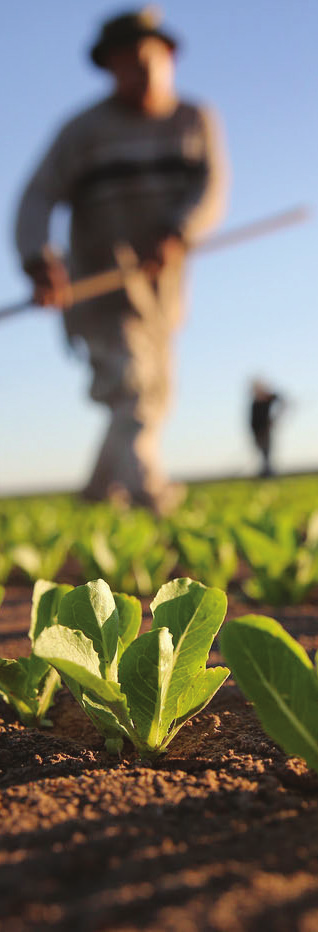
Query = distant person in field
x=145 y=176
x=265 y=407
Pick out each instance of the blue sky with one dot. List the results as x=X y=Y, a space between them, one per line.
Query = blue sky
x=252 y=310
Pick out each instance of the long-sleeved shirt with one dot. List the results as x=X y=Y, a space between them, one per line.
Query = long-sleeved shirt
x=128 y=178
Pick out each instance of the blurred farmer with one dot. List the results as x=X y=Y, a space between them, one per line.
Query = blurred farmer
x=264 y=410
x=145 y=176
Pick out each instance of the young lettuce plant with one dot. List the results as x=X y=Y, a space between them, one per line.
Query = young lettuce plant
x=284 y=571
x=29 y=683
x=143 y=688
x=275 y=673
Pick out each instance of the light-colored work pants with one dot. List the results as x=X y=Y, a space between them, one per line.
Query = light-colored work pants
x=129 y=337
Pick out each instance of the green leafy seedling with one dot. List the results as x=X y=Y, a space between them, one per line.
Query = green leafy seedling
x=142 y=688
x=29 y=683
x=275 y=673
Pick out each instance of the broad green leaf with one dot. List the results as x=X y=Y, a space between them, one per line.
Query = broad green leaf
x=275 y=673
x=103 y=556
x=29 y=685
x=198 y=693
x=285 y=531
x=197 y=551
x=92 y=610
x=261 y=550
x=2 y=590
x=69 y=648
x=73 y=656
x=35 y=669
x=104 y=720
x=228 y=557
x=25 y=709
x=46 y=600
x=264 y=588
x=142 y=577
x=54 y=553
x=307 y=568
x=13 y=679
x=193 y=614
x=129 y=614
x=144 y=672
x=27 y=557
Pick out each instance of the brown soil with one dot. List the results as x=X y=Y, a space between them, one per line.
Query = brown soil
x=221 y=835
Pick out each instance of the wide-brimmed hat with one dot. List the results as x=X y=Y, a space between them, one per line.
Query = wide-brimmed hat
x=126 y=29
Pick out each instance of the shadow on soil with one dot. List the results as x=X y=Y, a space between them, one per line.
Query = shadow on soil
x=122 y=868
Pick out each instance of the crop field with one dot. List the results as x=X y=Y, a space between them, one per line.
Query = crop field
x=158 y=712
x=260 y=536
